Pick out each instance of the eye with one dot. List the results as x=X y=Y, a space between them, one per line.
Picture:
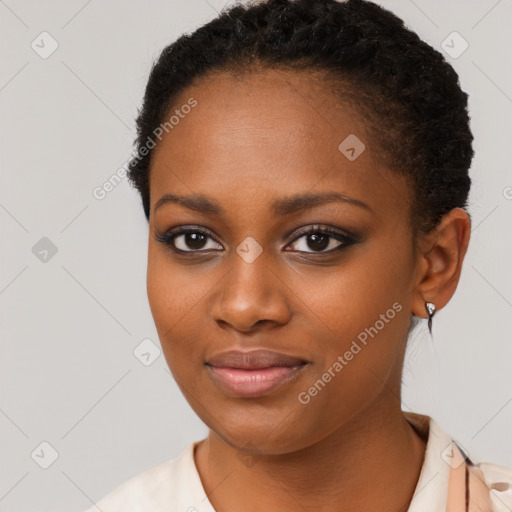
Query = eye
x=318 y=239
x=189 y=239
x=322 y=240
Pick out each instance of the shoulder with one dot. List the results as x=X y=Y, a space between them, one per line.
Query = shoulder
x=499 y=481
x=489 y=485
x=166 y=486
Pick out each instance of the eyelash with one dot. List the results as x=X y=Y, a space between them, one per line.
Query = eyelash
x=346 y=240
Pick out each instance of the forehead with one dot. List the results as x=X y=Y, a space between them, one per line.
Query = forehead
x=263 y=134
x=280 y=111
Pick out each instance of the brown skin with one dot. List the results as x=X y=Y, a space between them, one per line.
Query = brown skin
x=246 y=144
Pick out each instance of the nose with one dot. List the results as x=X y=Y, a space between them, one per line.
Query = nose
x=250 y=294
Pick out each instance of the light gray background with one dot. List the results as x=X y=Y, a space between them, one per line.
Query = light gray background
x=69 y=326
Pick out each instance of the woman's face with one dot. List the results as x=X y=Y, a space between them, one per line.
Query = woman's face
x=250 y=277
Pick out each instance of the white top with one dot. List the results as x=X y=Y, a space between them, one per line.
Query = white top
x=175 y=485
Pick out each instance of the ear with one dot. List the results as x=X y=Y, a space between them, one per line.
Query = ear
x=440 y=256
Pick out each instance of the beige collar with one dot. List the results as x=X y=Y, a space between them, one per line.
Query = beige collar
x=448 y=480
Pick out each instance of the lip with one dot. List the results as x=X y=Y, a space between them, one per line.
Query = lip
x=254 y=373
x=253 y=359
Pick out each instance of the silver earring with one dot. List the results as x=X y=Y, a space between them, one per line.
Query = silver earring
x=431 y=309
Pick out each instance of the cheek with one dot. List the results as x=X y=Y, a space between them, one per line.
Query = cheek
x=173 y=290
x=169 y=297
x=352 y=297
x=176 y=296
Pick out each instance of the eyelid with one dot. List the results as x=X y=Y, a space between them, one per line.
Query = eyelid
x=325 y=228
x=189 y=228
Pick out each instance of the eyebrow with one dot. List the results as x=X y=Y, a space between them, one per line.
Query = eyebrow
x=283 y=206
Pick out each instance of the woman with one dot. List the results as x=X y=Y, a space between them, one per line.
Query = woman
x=303 y=167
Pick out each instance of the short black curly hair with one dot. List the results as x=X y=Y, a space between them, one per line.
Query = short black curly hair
x=407 y=93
